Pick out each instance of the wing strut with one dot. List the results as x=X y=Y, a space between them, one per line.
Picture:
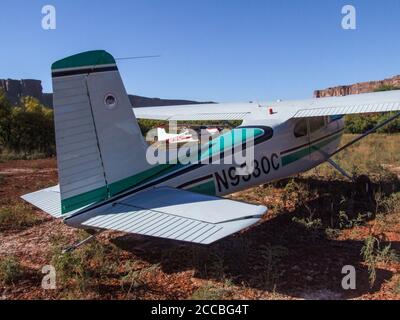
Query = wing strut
x=377 y=127
x=340 y=169
x=81 y=243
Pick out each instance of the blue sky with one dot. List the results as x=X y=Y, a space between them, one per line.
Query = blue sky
x=225 y=50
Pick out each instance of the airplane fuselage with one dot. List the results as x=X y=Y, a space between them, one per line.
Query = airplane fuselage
x=280 y=156
x=290 y=148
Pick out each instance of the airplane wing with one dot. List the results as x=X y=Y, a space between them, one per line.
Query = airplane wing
x=173 y=214
x=354 y=104
x=213 y=111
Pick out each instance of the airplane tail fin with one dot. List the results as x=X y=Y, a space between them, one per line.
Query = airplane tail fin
x=100 y=148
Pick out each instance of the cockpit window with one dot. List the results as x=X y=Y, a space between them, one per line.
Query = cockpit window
x=316 y=123
x=300 y=129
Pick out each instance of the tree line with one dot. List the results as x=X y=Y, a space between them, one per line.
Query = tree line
x=28 y=127
x=361 y=123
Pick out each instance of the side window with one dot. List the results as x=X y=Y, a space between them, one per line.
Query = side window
x=316 y=123
x=300 y=129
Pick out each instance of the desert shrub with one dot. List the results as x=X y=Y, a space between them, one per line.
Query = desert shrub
x=346 y=222
x=9 y=155
x=390 y=204
x=270 y=257
x=136 y=276
x=17 y=216
x=81 y=267
x=396 y=288
x=368 y=251
x=210 y=291
x=71 y=268
x=297 y=194
x=308 y=222
x=10 y=270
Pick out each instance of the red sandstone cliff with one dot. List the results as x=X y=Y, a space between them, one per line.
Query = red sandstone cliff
x=362 y=87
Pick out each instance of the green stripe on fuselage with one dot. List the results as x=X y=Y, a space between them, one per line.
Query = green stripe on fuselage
x=216 y=146
x=124 y=184
x=207 y=188
x=295 y=156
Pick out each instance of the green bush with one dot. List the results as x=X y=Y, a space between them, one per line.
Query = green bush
x=26 y=128
x=361 y=123
x=387 y=87
x=10 y=270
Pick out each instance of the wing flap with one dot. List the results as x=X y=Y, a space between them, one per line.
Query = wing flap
x=357 y=109
x=223 y=111
x=173 y=214
x=354 y=104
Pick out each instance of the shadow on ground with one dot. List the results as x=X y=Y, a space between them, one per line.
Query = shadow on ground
x=279 y=254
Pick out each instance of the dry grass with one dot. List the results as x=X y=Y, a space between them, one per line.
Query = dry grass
x=376 y=155
x=316 y=223
x=213 y=291
x=17 y=216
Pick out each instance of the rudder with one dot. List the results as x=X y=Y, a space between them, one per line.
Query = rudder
x=100 y=148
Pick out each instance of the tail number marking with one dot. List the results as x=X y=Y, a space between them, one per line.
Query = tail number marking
x=228 y=178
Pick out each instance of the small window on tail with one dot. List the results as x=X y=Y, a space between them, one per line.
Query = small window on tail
x=110 y=101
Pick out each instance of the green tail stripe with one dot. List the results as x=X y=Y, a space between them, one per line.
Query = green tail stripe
x=104 y=193
x=83 y=200
x=286 y=160
x=84 y=59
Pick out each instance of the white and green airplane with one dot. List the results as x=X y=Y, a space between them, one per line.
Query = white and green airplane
x=106 y=182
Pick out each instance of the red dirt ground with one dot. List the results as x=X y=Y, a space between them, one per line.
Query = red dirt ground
x=310 y=269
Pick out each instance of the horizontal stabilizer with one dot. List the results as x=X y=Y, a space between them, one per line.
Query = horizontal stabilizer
x=173 y=214
x=48 y=200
